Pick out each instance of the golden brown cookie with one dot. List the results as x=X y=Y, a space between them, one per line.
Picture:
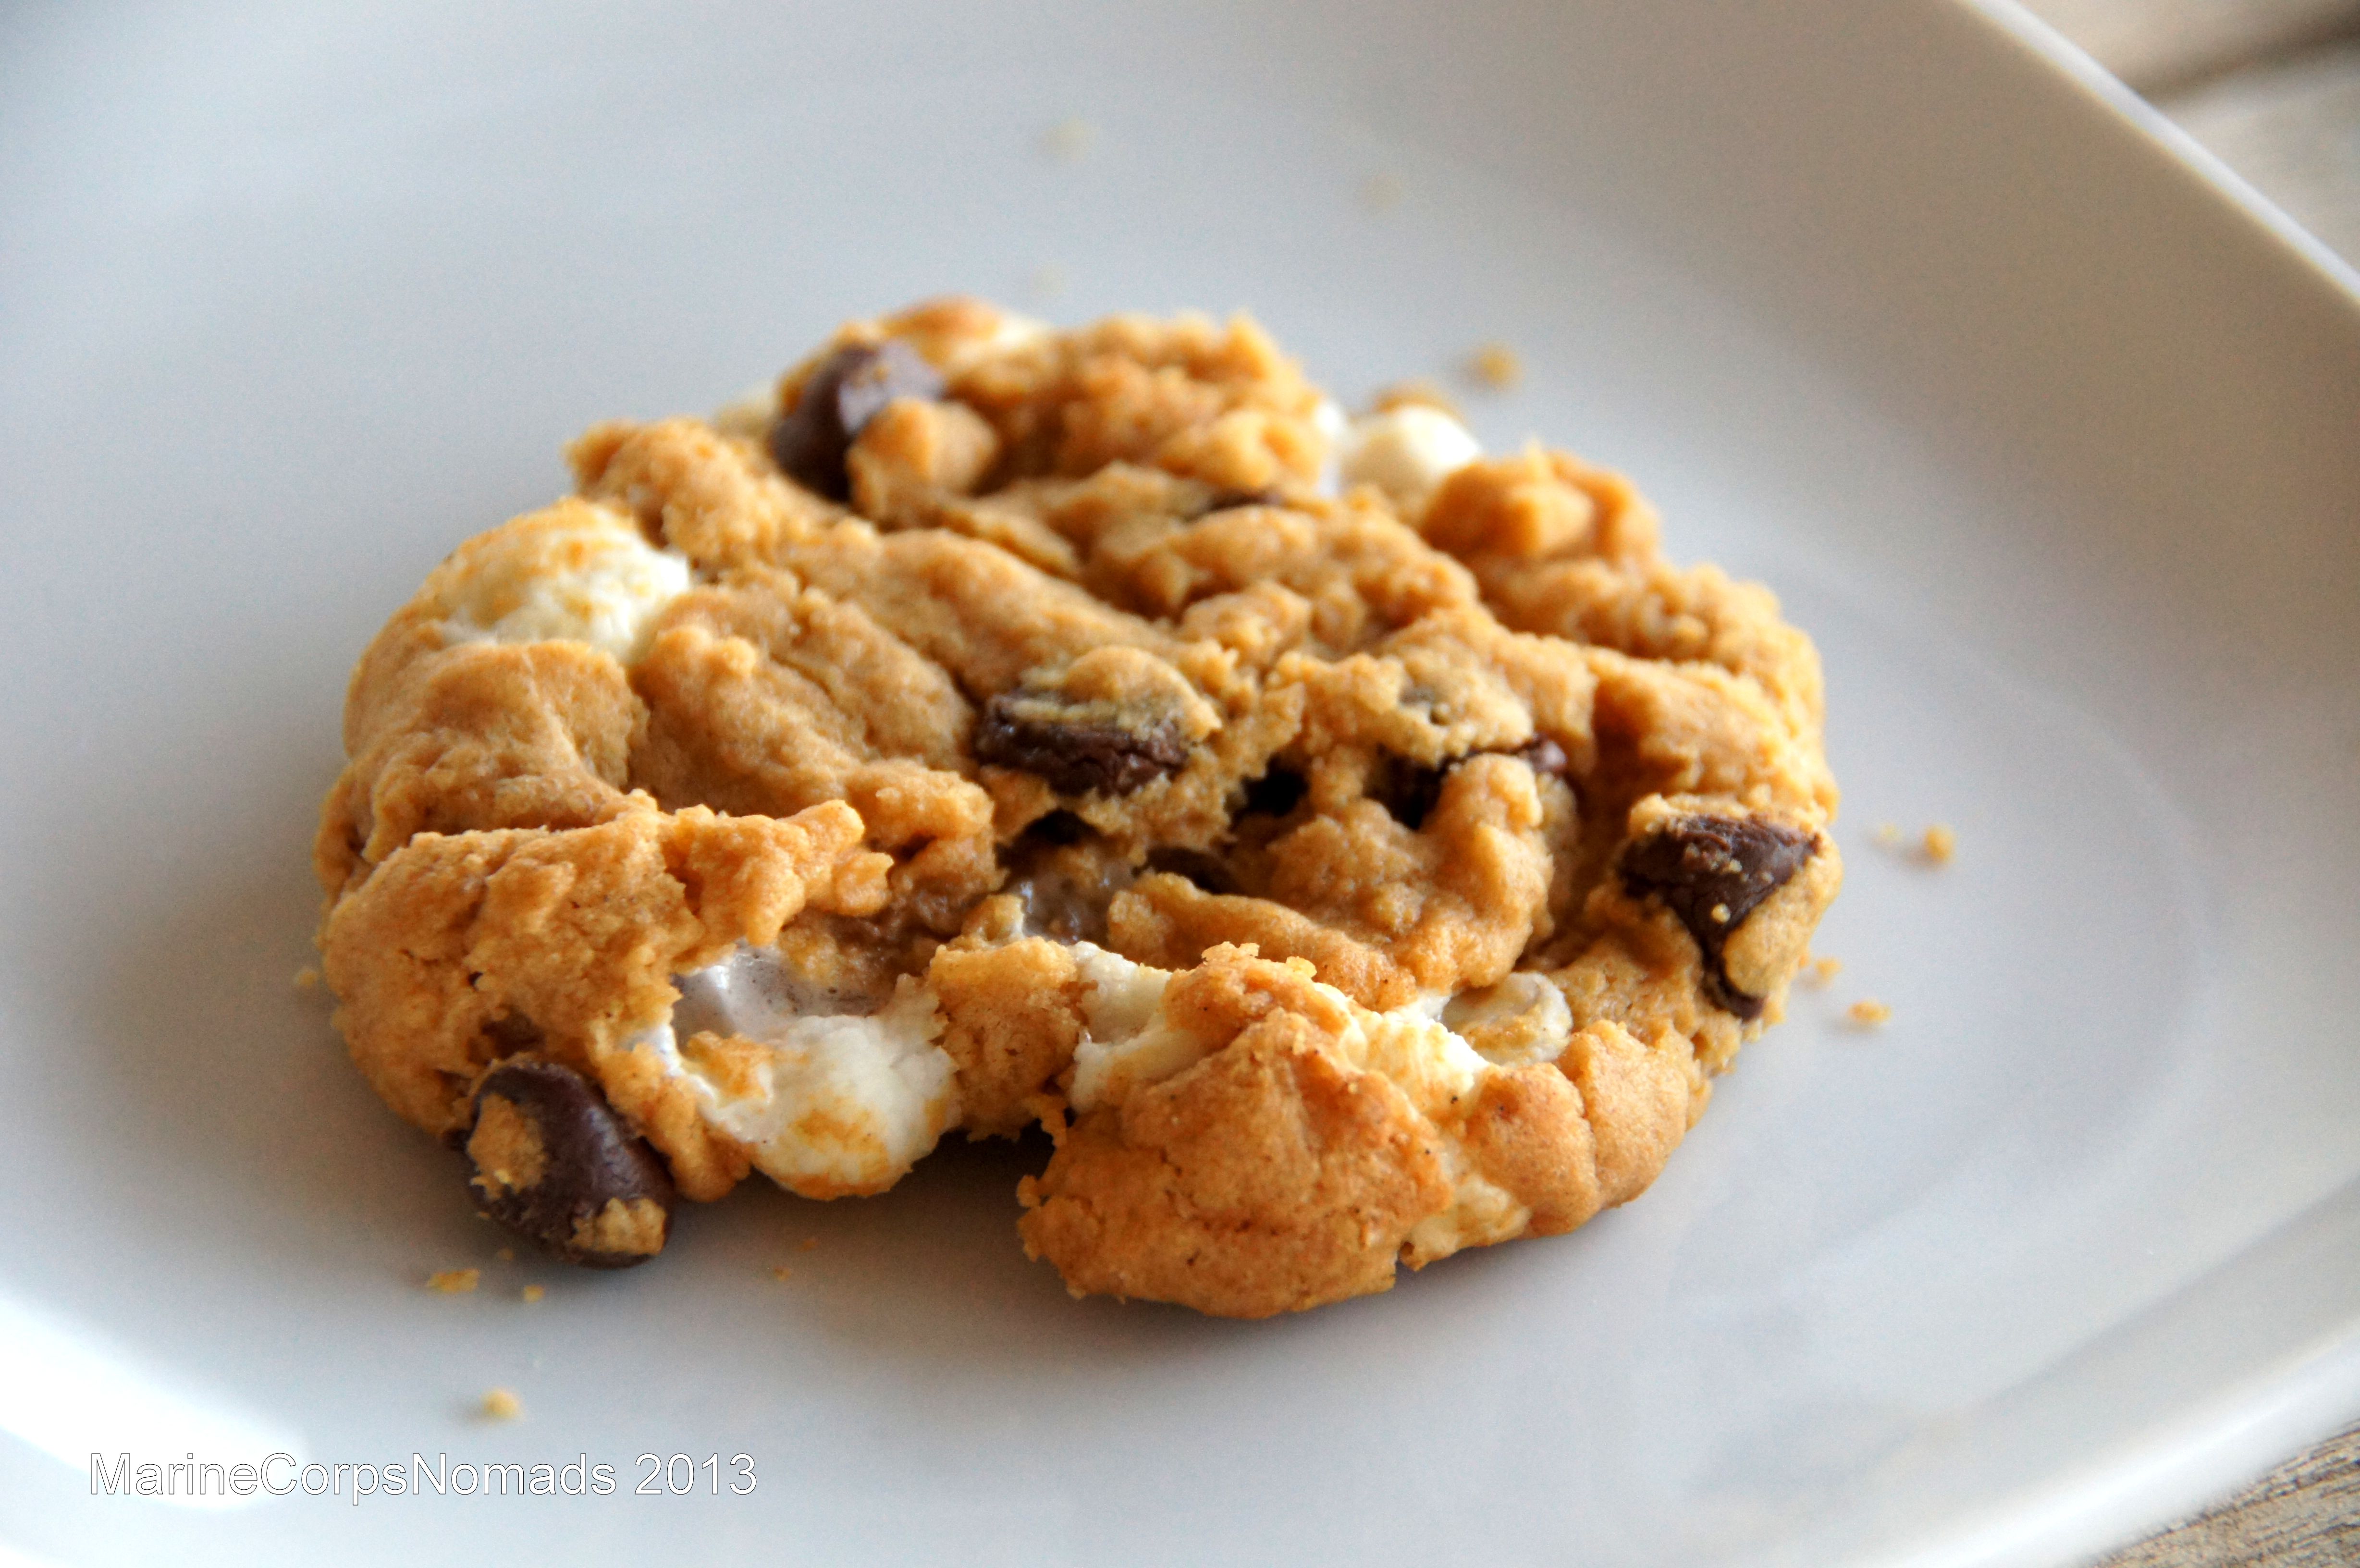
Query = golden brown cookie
x=1352 y=848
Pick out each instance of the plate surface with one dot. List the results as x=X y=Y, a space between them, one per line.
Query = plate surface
x=2049 y=443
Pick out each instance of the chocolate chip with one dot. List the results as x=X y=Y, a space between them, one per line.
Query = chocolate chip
x=1408 y=790
x=552 y=1160
x=849 y=388
x=1207 y=871
x=1075 y=758
x=1276 y=792
x=1712 y=872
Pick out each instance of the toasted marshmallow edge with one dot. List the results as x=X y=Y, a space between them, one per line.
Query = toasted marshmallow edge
x=830 y=1103
x=1128 y=1042
x=582 y=574
x=1405 y=452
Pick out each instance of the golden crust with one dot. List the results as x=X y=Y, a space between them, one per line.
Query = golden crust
x=1299 y=1161
x=1268 y=1180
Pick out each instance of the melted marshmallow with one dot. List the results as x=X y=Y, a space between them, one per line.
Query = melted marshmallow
x=1126 y=1039
x=590 y=576
x=1405 y=453
x=1521 y=1020
x=830 y=1100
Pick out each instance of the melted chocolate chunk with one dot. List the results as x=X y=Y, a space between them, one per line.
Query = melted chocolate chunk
x=1276 y=792
x=553 y=1162
x=849 y=388
x=1075 y=758
x=1206 y=870
x=1712 y=872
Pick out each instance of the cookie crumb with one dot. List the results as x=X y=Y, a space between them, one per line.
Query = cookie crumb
x=1496 y=365
x=532 y=1293
x=1068 y=141
x=1381 y=192
x=1941 y=844
x=1046 y=281
x=810 y=1242
x=782 y=1272
x=500 y=1404
x=506 y=1255
x=307 y=978
x=454 y=1281
x=1822 y=972
x=1868 y=1014
x=1887 y=836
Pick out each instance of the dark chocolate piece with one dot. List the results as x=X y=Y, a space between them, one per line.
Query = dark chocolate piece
x=553 y=1162
x=1712 y=872
x=1075 y=758
x=1409 y=789
x=846 y=390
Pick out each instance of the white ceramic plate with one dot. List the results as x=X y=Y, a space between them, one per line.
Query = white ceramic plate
x=2055 y=449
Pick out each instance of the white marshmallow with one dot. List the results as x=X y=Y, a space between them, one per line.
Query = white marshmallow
x=1126 y=1041
x=591 y=577
x=840 y=1102
x=1405 y=453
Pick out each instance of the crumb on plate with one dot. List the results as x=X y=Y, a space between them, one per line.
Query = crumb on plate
x=1822 y=972
x=500 y=1404
x=454 y=1281
x=1868 y=1013
x=532 y=1293
x=1496 y=365
x=1941 y=844
x=782 y=1272
x=307 y=978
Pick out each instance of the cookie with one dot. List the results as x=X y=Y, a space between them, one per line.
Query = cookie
x=1350 y=846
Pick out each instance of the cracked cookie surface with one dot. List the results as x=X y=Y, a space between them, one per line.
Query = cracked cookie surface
x=1349 y=846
